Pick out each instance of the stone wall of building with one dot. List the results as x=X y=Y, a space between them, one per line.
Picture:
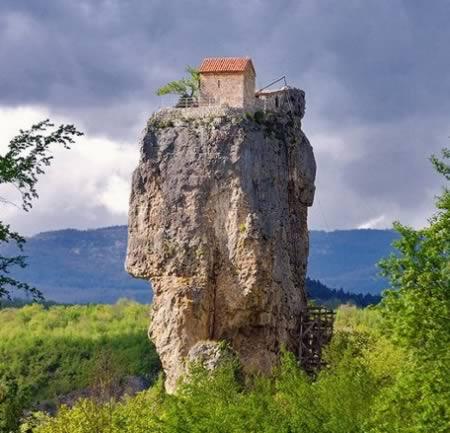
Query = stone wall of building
x=177 y=115
x=233 y=89
x=249 y=90
x=270 y=101
x=283 y=100
x=223 y=88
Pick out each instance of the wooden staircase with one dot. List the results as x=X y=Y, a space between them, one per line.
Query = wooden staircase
x=316 y=330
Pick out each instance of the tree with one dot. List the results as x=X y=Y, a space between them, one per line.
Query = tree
x=186 y=87
x=416 y=315
x=28 y=154
x=419 y=308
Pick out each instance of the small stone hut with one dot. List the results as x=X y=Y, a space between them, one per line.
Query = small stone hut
x=227 y=81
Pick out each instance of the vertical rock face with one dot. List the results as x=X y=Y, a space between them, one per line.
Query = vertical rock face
x=218 y=224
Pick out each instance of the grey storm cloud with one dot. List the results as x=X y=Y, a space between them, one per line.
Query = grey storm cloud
x=390 y=57
x=375 y=74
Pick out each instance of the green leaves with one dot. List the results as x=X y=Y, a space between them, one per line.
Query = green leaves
x=26 y=159
x=29 y=154
x=186 y=87
x=417 y=311
x=46 y=353
x=416 y=316
x=440 y=165
x=339 y=400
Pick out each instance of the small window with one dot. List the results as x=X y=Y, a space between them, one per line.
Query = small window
x=218 y=84
x=276 y=102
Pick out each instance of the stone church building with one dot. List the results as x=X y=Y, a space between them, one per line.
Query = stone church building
x=227 y=81
x=230 y=81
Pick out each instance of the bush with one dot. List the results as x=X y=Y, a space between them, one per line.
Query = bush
x=339 y=399
x=48 y=353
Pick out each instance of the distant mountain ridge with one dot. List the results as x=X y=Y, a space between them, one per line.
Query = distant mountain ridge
x=347 y=258
x=82 y=266
x=88 y=265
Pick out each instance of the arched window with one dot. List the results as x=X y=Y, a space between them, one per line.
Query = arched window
x=218 y=84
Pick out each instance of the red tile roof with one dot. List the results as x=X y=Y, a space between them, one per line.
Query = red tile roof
x=226 y=64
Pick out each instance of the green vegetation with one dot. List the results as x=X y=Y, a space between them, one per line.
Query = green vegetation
x=387 y=367
x=186 y=87
x=269 y=122
x=332 y=298
x=161 y=124
x=46 y=353
x=364 y=367
x=259 y=116
x=416 y=316
x=28 y=154
x=362 y=362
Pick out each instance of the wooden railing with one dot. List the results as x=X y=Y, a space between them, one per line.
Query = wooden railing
x=200 y=101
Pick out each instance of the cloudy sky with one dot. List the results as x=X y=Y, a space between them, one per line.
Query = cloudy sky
x=376 y=76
